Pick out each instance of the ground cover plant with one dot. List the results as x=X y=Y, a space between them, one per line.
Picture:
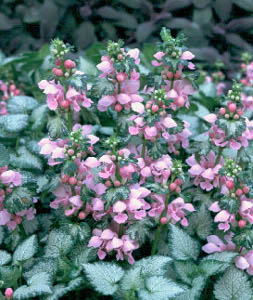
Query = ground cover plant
x=125 y=176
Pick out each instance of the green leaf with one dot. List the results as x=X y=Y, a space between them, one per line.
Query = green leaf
x=1 y=234
x=21 y=104
x=60 y=290
x=39 y=117
x=140 y=230
x=87 y=66
x=194 y=293
x=26 y=160
x=4 y=156
x=69 y=168
x=232 y=205
x=104 y=276
x=153 y=265
x=10 y=274
x=186 y=270
x=59 y=243
x=245 y=4
x=114 y=194
x=19 y=199
x=43 y=264
x=182 y=246
x=217 y=262
x=26 y=249
x=201 y=223
x=14 y=123
x=57 y=127
x=234 y=284
x=244 y=239
x=132 y=280
x=39 y=284
x=5 y=257
x=159 y=288
x=101 y=87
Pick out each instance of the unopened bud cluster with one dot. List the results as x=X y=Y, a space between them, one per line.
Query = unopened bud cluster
x=231 y=168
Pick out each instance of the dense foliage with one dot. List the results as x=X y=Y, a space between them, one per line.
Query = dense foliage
x=125 y=176
x=216 y=29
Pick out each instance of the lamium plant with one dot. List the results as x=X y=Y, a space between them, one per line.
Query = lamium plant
x=128 y=184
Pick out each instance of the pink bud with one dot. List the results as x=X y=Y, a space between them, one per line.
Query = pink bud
x=179 y=101
x=108 y=183
x=120 y=56
x=148 y=105
x=72 y=180
x=236 y=117
x=230 y=184
x=58 y=62
x=81 y=215
x=164 y=220
x=227 y=116
x=117 y=183
x=118 y=107
x=121 y=152
x=113 y=157
x=69 y=64
x=244 y=81
x=64 y=178
x=71 y=152
x=57 y=72
x=8 y=293
x=232 y=107
x=239 y=192
x=18 y=219
x=170 y=75
x=173 y=186
x=12 y=87
x=121 y=77
x=177 y=190
x=65 y=104
x=16 y=92
x=178 y=74
x=245 y=189
x=242 y=223
x=222 y=111
x=243 y=66
x=155 y=108
x=178 y=181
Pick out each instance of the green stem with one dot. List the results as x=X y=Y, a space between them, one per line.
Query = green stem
x=218 y=156
x=121 y=228
x=143 y=147
x=17 y=143
x=159 y=229
x=70 y=120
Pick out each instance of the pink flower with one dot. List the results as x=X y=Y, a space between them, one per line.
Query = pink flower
x=11 y=177
x=245 y=262
x=181 y=88
x=215 y=244
x=224 y=218
x=54 y=92
x=176 y=211
x=205 y=172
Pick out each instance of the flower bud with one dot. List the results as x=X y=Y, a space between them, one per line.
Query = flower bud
x=239 y=192
x=118 y=107
x=121 y=77
x=8 y=293
x=81 y=215
x=173 y=186
x=64 y=178
x=71 y=152
x=18 y=219
x=58 y=62
x=178 y=74
x=117 y=183
x=179 y=101
x=69 y=64
x=108 y=183
x=65 y=104
x=232 y=107
x=245 y=189
x=177 y=190
x=155 y=108
x=236 y=117
x=164 y=220
x=226 y=116
x=57 y=72
x=230 y=184
x=72 y=180
x=242 y=223
x=170 y=75
x=178 y=181
x=222 y=111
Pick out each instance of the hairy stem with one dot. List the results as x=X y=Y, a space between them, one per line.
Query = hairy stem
x=159 y=229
